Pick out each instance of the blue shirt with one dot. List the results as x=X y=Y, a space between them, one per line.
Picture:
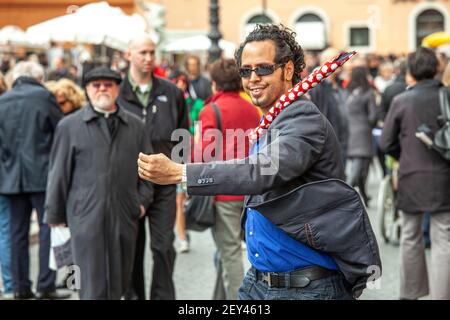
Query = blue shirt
x=270 y=249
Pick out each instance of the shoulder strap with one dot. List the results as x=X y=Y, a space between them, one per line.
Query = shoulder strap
x=219 y=126
x=218 y=118
x=444 y=104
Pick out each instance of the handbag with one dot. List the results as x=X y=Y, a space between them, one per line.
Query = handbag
x=199 y=211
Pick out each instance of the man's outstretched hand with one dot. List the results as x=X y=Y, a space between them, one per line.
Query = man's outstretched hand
x=159 y=169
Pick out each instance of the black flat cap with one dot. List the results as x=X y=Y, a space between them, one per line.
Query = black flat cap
x=101 y=73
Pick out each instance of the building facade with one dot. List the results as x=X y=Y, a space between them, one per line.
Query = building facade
x=383 y=26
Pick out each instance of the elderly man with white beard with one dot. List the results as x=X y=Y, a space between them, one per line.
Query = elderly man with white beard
x=94 y=188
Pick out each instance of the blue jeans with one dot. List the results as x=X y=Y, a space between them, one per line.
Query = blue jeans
x=426 y=229
x=5 y=244
x=329 y=288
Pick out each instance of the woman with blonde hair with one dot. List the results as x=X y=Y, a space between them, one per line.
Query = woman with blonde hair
x=69 y=96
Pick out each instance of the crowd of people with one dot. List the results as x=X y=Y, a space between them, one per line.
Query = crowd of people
x=69 y=147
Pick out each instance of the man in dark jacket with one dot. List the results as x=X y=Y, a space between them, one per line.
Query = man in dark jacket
x=28 y=117
x=94 y=189
x=292 y=257
x=397 y=87
x=160 y=104
x=199 y=86
x=424 y=182
x=330 y=98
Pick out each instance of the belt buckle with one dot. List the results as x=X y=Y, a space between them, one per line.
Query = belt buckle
x=304 y=281
x=270 y=282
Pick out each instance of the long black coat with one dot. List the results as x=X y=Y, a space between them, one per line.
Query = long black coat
x=29 y=114
x=94 y=187
x=424 y=177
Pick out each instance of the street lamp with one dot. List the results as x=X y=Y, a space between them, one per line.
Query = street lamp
x=264 y=7
x=214 y=51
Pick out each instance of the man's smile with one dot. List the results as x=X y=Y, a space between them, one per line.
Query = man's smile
x=256 y=91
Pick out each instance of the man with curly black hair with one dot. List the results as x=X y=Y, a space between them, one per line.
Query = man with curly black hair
x=302 y=150
x=286 y=47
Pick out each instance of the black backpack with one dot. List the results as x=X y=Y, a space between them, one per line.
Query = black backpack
x=442 y=136
x=440 y=141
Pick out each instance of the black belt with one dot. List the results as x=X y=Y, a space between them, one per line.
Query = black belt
x=299 y=278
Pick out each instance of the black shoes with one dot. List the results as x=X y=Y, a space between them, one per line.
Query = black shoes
x=130 y=295
x=26 y=295
x=52 y=295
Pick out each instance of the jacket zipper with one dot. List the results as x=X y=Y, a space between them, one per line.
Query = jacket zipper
x=144 y=114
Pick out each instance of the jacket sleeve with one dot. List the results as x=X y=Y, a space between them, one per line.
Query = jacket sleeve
x=183 y=116
x=59 y=177
x=384 y=105
x=296 y=143
x=145 y=188
x=372 y=108
x=389 y=141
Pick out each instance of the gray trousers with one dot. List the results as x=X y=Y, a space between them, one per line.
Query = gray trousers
x=415 y=280
x=358 y=175
x=227 y=236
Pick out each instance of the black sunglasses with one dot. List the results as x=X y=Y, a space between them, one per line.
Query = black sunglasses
x=263 y=70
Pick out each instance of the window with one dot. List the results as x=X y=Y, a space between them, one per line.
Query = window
x=309 y=17
x=359 y=37
x=256 y=19
x=428 y=22
x=311 y=32
x=260 y=18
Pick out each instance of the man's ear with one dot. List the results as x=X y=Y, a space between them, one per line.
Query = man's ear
x=289 y=71
x=127 y=55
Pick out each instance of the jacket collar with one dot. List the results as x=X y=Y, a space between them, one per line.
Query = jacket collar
x=128 y=94
x=89 y=114
x=427 y=83
x=135 y=86
x=220 y=94
x=27 y=80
